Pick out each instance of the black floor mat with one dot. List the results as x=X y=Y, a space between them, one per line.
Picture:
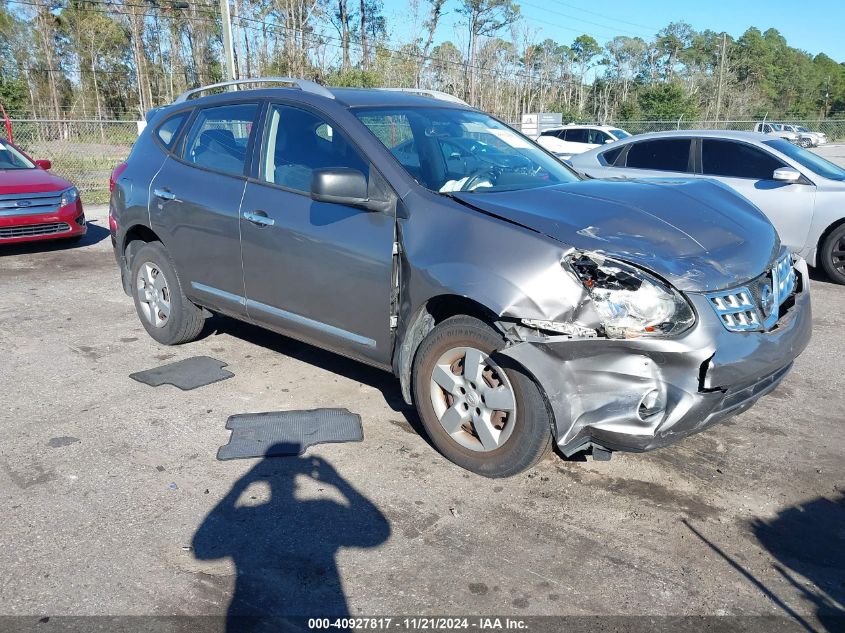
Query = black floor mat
x=288 y=432
x=186 y=374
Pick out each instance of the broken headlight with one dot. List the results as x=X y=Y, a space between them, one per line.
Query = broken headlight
x=629 y=301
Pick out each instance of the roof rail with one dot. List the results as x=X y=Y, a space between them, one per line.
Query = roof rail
x=436 y=94
x=302 y=84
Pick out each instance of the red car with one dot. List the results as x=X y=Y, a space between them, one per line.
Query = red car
x=35 y=204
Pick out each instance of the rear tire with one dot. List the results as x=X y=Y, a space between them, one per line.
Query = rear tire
x=164 y=310
x=832 y=255
x=514 y=422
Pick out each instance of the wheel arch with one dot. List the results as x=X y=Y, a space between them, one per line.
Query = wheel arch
x=836 y=224
x=137 y=234
x=435 y=310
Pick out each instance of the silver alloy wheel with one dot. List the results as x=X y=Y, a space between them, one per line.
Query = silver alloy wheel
x=153 y=294
x=473 y=399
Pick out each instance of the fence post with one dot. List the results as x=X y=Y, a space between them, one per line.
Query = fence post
x=8 y=124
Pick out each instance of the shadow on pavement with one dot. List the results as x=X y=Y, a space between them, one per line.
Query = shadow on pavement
x=284 y=546
x=384 y=381
x=94 y=235
x=810 y=540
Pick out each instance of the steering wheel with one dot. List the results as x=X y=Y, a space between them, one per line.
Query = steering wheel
x=477 y=178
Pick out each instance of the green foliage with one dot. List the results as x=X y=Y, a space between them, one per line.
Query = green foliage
x=353 y=78
x=665 y=101
x=13 y=94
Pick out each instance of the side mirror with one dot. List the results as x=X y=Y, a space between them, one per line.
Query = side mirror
x=43 y=164
x=340 y=185
x=786 y=174
x=608 y=141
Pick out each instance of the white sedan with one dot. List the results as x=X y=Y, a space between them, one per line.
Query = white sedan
x=569 y=140
x=801 y=193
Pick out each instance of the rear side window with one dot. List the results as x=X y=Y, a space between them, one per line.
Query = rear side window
x=168 y=130
x=736 y=160
x=298 y=142
x=660 y=155
x=219 y=137
x=609 y=157
x=577 y=136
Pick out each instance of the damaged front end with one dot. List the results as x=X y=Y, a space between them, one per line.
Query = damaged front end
x=637 y=365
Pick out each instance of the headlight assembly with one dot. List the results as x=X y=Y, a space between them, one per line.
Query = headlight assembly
x=629 y=301
x=69 y=196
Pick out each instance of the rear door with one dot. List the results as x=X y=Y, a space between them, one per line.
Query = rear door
x=655 y=158
x=317 y=271
x=748 y=170
x=196 y=200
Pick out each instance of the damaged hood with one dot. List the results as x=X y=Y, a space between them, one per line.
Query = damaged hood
x=697 y=234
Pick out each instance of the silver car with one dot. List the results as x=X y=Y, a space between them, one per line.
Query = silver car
x=800 y=192
x=517 y=304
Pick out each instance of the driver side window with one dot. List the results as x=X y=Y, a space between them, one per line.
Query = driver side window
x=298 y=143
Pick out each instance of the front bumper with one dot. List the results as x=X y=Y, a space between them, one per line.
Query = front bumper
x=64 y=222
x=641 y=394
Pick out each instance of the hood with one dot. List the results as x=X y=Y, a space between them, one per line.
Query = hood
x=30 y=181
x=697 y=234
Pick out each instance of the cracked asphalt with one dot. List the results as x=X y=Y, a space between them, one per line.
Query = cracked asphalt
x=116 y=505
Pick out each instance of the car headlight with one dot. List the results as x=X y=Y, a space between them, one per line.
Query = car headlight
x=629 y=301
x=69 y=196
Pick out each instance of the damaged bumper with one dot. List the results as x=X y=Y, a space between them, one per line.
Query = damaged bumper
x=641 y=394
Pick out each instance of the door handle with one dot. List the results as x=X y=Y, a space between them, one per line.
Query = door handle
x=259 y=218
x=164 y=194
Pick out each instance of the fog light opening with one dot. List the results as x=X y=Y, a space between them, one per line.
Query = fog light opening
x=650 y=404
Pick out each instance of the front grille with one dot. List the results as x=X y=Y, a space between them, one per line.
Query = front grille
x=30 y=203
x=32 y=230
x=756 y=305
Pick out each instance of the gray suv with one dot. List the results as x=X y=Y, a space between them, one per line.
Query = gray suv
x=518 y=305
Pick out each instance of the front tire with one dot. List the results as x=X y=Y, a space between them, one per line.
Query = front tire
x=832 y=255
x=165 y=312
x=483 y=413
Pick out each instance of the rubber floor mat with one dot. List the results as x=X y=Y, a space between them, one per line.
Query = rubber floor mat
x=288 y=432
x=187 y=374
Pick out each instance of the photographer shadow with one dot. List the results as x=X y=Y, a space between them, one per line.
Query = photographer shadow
x=284 y=547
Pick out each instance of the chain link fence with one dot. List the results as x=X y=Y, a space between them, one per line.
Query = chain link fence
x=83 y=152
x=833 y=128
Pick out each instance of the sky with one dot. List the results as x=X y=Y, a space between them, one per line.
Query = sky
x=815 y=26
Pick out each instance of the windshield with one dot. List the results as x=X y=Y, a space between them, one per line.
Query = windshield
x=813 y=162
x=11 y=158
x=619 y=134
x=448 y=150
x=801 y=128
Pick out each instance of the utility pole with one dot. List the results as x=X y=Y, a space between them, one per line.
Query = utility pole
x=228 y=51
x=721 y=76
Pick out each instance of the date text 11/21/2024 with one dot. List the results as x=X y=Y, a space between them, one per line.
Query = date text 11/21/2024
x=422 y=623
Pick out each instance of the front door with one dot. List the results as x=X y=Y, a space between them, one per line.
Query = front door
x=195 y=202
x=315 y=270
x=748 y=170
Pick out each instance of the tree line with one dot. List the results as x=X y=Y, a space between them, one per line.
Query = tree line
x=104 y=59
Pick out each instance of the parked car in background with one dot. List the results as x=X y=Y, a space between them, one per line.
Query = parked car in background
x=572 y=139
x=806 y=138
x=35 y=204
x=516 y=303
x=801 y=193
x=776 y=129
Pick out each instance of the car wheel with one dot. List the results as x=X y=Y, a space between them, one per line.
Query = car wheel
x=805 y=143
x=481 y=412
x=832 y=255
x=165 y=312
